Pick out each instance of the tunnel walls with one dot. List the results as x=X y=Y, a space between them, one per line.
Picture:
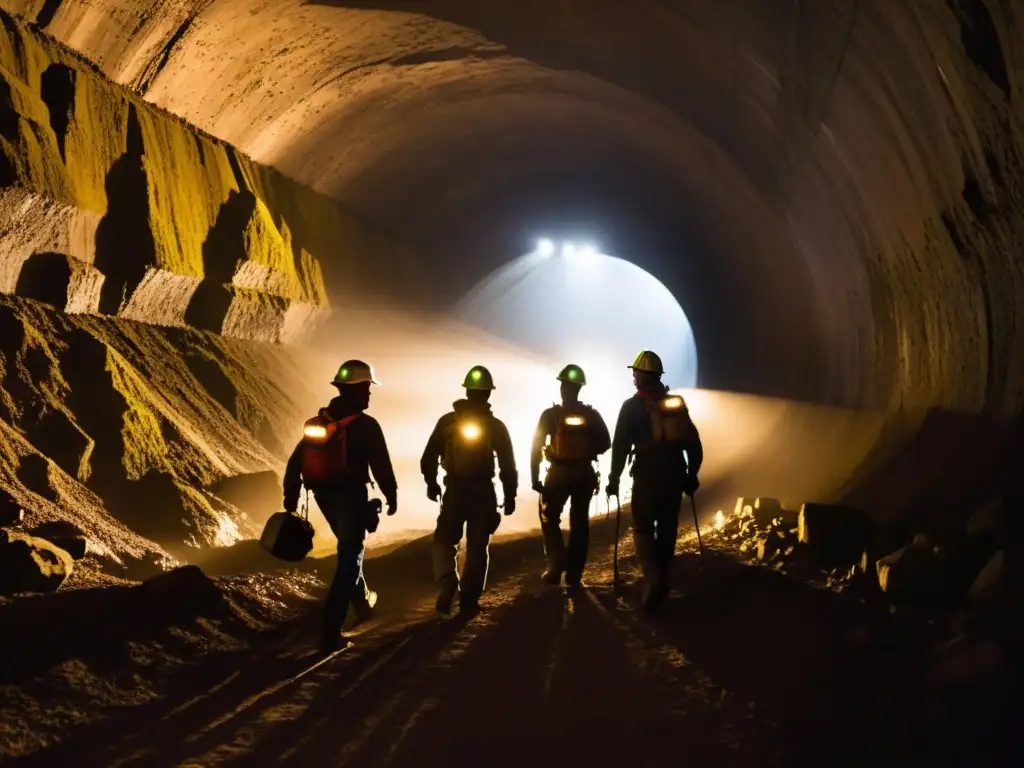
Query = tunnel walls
x=160 y=222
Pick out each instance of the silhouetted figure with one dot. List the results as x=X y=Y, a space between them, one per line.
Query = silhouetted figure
x=657 y=430
x=578 y=435
x=341 y=445
x=465 y=442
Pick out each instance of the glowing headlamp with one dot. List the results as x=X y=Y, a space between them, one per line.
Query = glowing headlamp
x=470 y=431
x=315 y=431
x=574 y=421
x=672 y=403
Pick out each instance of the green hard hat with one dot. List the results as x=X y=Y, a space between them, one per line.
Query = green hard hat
x=354 y=372
x=573 y=374
x=478 y=378
x=649 y=362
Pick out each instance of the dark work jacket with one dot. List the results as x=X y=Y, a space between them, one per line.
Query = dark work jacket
x=367 y=451
x=633 y=428
x=600 y=440
x=501 y=442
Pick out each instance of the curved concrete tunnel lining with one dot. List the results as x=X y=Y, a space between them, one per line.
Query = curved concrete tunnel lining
x=860 y=238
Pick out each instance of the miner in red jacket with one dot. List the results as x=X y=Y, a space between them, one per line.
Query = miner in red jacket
x=340 y=446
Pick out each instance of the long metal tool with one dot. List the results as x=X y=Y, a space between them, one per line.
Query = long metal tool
x=615 y=554
x=696 y=523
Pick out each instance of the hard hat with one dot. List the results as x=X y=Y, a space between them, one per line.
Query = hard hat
x=649 y=362
x=478 y=378
x=354 y=372
x=573 y=374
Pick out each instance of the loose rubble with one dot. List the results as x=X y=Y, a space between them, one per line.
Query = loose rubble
x=968 y=583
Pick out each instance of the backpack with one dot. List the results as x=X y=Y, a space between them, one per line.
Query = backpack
x=324 y=456
x=571 y=440
x=467 y=448
x=670 y=421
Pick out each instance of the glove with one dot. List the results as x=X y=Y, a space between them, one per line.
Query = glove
x=690 y=485
x=392 y=507
x=510 y=504
x=538 y=486
x=433 y=490
x=612 y=489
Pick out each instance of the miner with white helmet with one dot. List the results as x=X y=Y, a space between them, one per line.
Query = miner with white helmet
x=570 y=436
x=465 y=443
x=657 y=429
x=340 y=446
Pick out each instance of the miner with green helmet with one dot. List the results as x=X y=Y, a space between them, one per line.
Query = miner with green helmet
x=655 y=427
x=339 y=449
x=465 y=443
x=571 y=436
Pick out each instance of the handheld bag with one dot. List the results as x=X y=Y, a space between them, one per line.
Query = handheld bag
x=288 y=536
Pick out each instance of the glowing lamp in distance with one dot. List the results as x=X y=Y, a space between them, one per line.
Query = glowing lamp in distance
x=672 y=403
x=588 y=250
x=470 y=431
x=545 y=247
x=314 y=431
x=568 y=249
x=574 y=421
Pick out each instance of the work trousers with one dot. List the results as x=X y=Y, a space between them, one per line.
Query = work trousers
x=575 y=484
x=655 y=504
x=345 y=511
x=470 y=506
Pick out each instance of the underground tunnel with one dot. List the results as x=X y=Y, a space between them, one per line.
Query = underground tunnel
x=825 y=197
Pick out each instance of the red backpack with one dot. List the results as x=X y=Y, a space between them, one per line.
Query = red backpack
x=325 y=449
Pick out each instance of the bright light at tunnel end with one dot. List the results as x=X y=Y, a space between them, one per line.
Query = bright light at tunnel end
x=569 y=250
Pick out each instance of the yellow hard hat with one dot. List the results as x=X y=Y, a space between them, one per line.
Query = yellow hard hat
x=649 y=362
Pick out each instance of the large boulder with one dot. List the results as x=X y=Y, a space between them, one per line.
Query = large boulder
x=31 y=564
x=184 y=592
x=834 y=534
x=65 y=535
x=921 y=574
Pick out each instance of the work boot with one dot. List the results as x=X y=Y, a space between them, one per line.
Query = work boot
x=363 y=610
x=443 y=603
x=332 y=641
x=468 y=606
x=646 y=552
x=552 y=576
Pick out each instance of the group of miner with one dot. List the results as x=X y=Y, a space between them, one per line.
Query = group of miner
x=342 y=445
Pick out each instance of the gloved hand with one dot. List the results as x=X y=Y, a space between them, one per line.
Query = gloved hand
x=538 y=486
x=612 y=489
x=510 y=503
x=690 y=485
x=392 y=506
x=433 y=490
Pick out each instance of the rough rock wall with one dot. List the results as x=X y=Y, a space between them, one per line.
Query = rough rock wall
x=109 y=205
x=124 y=427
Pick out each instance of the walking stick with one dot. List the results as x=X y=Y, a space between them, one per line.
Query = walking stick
x=696 y=524
x=615 y=555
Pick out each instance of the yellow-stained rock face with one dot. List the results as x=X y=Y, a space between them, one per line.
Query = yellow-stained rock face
x=150 y=207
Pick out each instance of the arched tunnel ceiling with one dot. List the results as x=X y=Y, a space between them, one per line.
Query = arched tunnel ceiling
x=833 y=190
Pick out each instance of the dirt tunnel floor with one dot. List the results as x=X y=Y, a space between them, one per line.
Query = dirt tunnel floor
x=744 y=667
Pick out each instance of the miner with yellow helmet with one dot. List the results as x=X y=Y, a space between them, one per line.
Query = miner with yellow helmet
x=667 y=454
x=465 y=443
x=570 y=436
x=340 y=446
